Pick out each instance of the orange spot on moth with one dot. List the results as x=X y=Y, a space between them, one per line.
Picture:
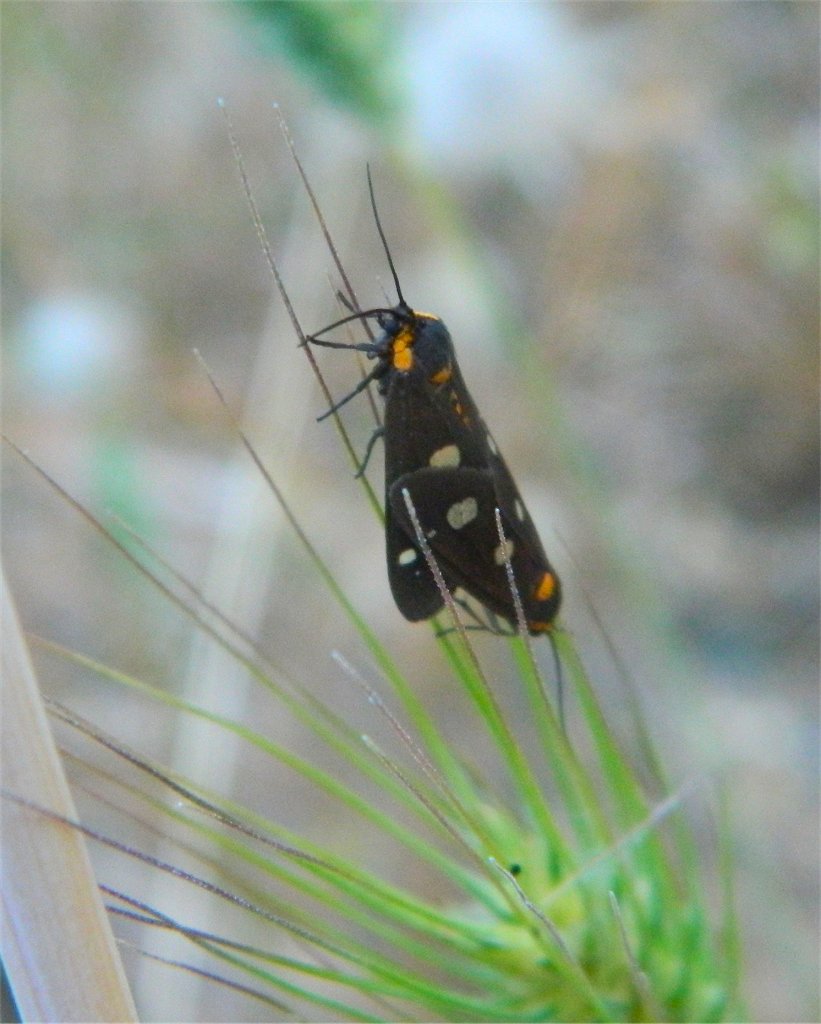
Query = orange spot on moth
x=401 y=352
x=545 y=587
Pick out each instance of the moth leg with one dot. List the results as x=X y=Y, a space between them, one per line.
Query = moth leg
x=362 y=346
x=378 y=371
x=379 y=432
x=478 y=624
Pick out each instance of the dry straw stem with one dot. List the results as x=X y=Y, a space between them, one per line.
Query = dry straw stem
x=58 y=947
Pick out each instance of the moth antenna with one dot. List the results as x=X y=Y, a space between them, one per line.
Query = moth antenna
x=384 y=240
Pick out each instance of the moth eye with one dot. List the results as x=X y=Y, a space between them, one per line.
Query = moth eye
x=407 y=557
x=504 y=552
x=449 y=455
x=462 y=512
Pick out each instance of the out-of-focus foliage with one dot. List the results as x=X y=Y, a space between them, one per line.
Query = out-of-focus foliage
x=347 y=49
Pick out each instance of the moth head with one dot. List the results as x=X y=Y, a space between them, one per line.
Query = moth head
x=418 y=341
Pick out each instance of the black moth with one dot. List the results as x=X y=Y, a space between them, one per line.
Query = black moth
x=438 y=448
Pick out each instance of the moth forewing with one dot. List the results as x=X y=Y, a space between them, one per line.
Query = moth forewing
x=413 y=587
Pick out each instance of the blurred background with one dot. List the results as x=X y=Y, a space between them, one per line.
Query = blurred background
x=614 y=208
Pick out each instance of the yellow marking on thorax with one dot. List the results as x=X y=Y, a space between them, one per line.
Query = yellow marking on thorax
x=401 y=354
x=401 y=349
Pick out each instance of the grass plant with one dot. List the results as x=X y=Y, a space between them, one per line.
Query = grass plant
x=562 y=881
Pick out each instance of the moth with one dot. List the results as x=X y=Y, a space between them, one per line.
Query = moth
x=439 y=449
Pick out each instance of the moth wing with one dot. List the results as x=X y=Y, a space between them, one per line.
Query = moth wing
x=540 y=587
x=514 y=511
x=412 y=584
x=455 y=507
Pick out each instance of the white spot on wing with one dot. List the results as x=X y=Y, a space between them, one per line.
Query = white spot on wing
x=449 y=455
x=462 y=512
x=520 y=511
x=492 y=444
x=504 y=553
x=407 y=557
